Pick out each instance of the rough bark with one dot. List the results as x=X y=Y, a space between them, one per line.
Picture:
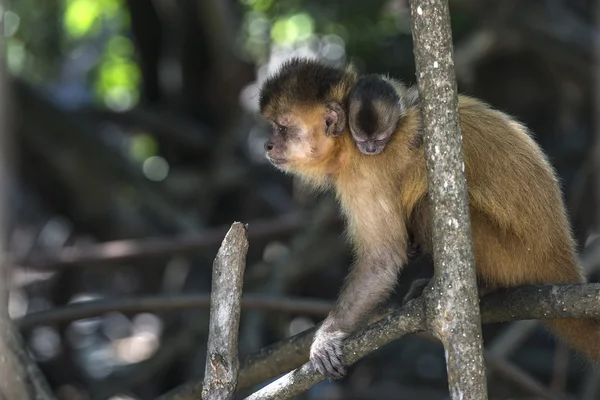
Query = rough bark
x=222 y=363
x=453 y=303
x=526 y=302
x=410 y=319
x=20 y=377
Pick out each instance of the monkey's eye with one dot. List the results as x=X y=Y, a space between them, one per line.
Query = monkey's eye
x=280 y=128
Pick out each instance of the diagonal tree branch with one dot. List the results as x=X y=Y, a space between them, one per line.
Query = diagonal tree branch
x=526 y=302
x=542 y=302
x=512 y=372
x=410 y=319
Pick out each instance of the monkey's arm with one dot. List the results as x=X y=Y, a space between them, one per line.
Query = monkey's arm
x=370 y=280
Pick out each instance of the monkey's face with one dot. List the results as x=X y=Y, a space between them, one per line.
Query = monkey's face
x=305 y=136
x=290 y=140
x=372 y=124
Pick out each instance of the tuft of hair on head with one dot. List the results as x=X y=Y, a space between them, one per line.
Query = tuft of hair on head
x=376 y=87
x=374 y=100
x=305 y=81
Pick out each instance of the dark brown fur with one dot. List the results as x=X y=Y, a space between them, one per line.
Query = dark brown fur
x=376 y=104
x=521 y=234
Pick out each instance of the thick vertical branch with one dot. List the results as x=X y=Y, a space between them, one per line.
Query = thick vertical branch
x=222 y=363
x=19 y=376
x=454 y=304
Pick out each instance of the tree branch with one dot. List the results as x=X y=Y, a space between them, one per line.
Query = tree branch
x=90 y=309
x=173 y=126
x=554 y=31
x=125 y=250
x=222 y=363
x=511 y=372
x=452 y=307
x=526 y=302
x=407 y=320
x=20 y=377
x=520 y=377
x=542 y=302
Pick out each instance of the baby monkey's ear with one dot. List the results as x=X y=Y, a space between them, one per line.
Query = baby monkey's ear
x=335 y=118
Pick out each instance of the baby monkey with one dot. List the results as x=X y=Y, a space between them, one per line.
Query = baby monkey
x=376 y=104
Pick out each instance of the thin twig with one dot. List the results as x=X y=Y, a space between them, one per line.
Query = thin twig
x=591 y=386
x=511 y=372
x=176 y=127
x=512 y=337
x=222 y=363
x=124 y=250
x=96 y=308
x=520 y=377
x=137 y=375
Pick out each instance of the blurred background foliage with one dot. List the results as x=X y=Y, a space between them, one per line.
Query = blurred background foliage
x=137 y=119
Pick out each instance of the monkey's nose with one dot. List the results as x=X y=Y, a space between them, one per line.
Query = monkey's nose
x=269 y=146
x=370 y=148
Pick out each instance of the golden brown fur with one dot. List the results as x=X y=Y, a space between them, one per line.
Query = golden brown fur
x=521 y=233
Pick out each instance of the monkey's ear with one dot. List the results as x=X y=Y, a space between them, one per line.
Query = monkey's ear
x=335 y=119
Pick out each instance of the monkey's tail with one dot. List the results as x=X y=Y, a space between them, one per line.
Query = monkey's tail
x=583 y=335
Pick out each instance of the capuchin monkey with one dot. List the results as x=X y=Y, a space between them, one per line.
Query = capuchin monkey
x=375 y=106
x=521 y=234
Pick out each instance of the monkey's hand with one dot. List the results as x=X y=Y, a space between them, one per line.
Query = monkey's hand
x=326 y=353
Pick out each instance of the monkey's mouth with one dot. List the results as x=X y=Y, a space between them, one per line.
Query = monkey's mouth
x=372 y=147
x=276 y=161
x=372 y=151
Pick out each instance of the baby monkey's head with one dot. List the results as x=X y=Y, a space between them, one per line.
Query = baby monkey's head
x=304 y=101
x=375 y=107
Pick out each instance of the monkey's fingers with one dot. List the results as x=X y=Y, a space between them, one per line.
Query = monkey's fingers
x=334 y=365
x=326 y=363
x=325 y=367
x=318 y=365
